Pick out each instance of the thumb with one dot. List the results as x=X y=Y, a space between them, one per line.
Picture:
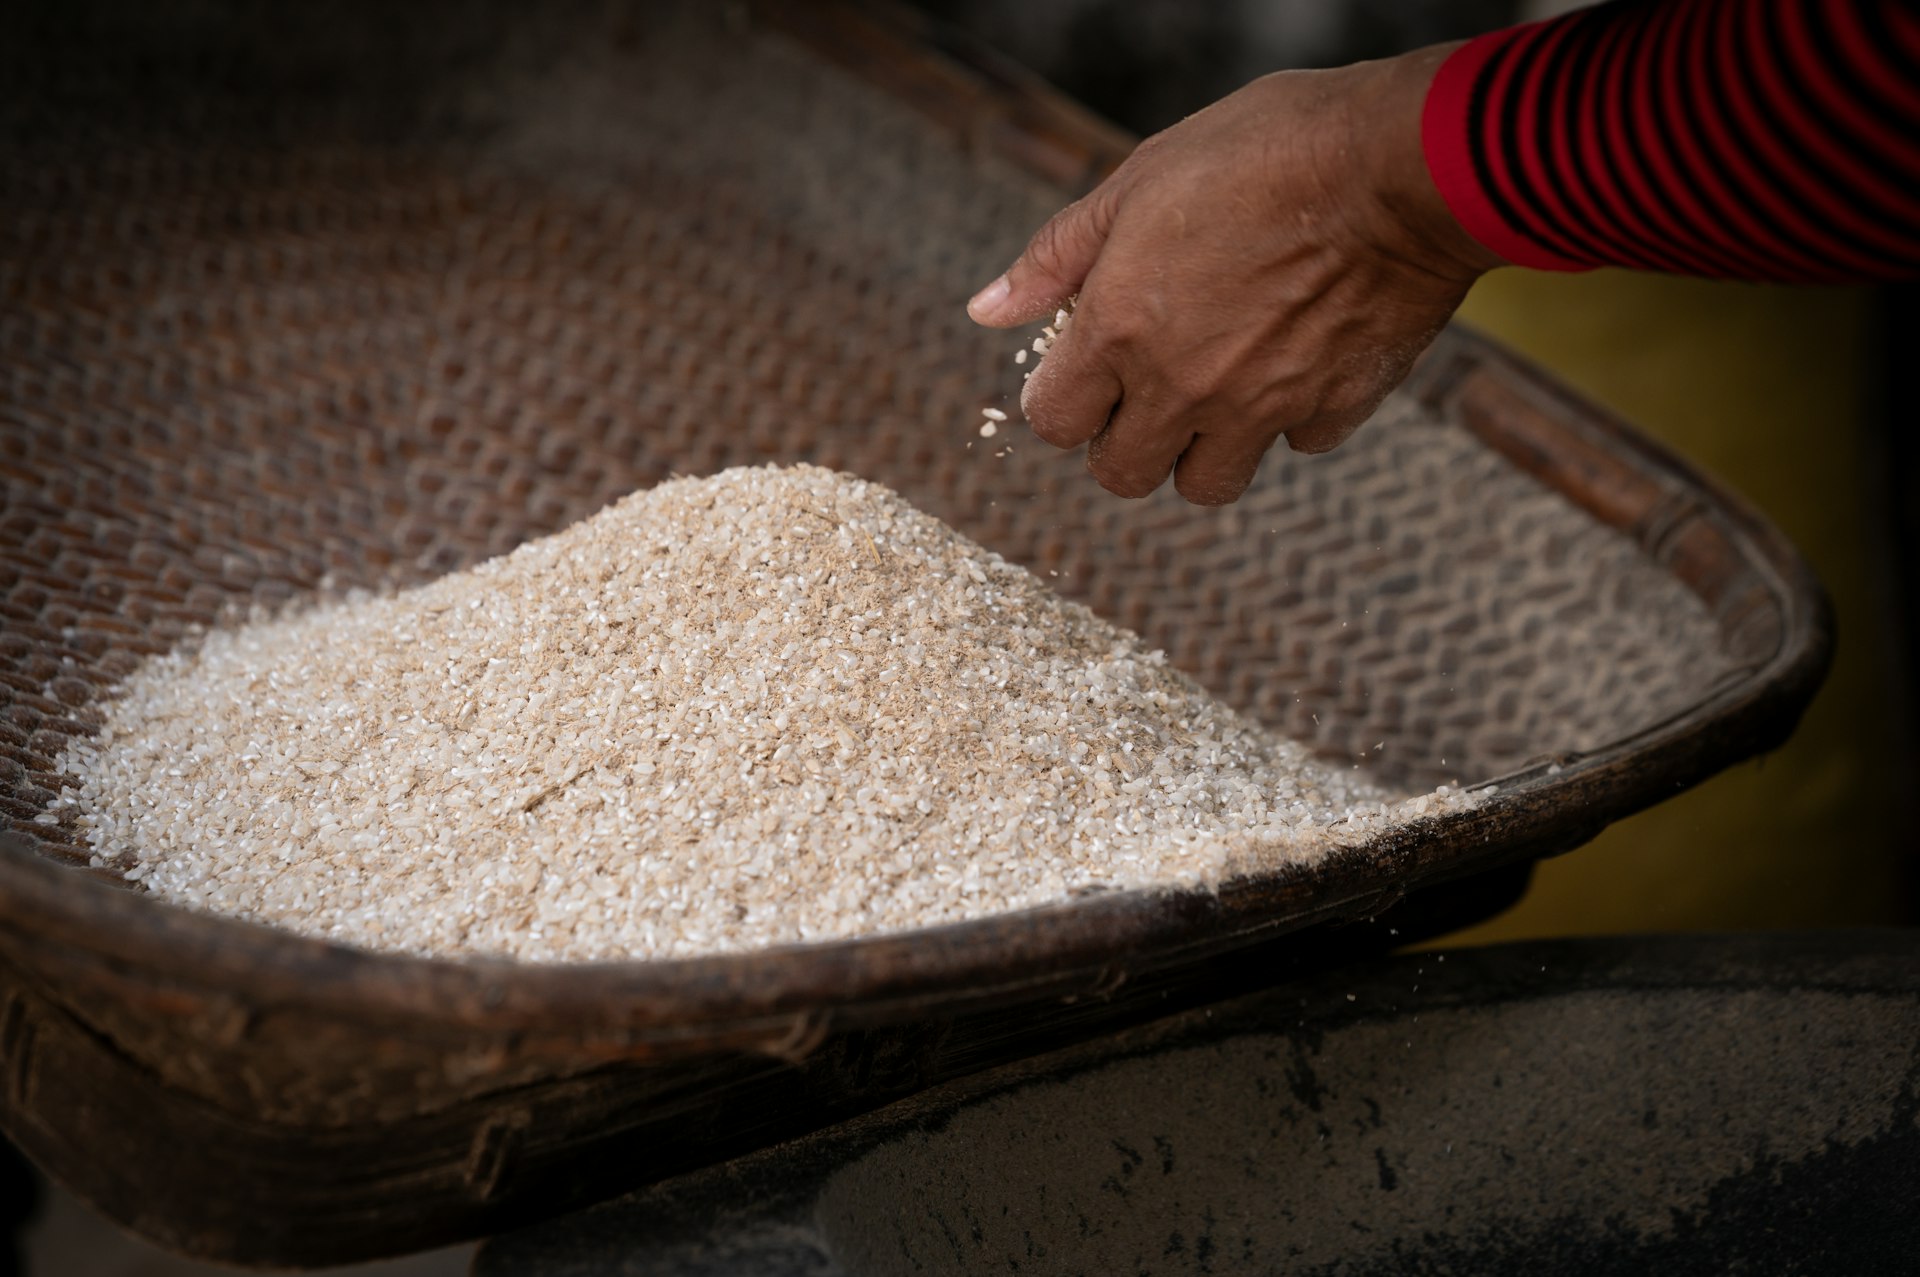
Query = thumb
x=1052 y=269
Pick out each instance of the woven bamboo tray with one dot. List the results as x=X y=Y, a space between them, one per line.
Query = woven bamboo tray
x=295 y=298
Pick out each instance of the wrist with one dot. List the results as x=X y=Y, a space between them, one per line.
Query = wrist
x=1386 y=127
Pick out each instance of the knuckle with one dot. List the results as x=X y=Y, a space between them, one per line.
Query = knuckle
x=1213 y=489
x=1048 y=248
x=1131 y=489
x=1070 y=234
x=1355 y=400
x=1222 y=382
x=1189 y=384
x=1055 y=431
x=1101 y=203
x=1126 y=326
x=1143 y=153
x=1120 y=478
x=1361 y=407
x=1129 y=337
x=1060 y=239
x=1346 y=415
x=1322 y=434
x=1062 y=424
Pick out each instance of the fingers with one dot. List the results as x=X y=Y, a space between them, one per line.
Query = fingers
x=1336 y=421
x=1052 y=268
x=1137 y=450
x=1139 y=431
x=1323 y=434
x=1070 y=396
x=1217 y=468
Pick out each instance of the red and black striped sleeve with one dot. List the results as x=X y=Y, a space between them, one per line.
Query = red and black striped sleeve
x=1742 y=139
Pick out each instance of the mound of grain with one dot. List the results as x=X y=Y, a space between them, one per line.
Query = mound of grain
x=773 y=705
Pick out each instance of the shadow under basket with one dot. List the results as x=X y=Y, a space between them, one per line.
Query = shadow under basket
x=1604 y=1107
x=308 y=297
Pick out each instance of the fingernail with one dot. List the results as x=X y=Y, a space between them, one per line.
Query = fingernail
x=987 y=302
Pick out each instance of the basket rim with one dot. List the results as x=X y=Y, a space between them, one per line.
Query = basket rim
x=1550 y=806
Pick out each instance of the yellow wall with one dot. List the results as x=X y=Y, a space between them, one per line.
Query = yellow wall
x=1766 y=388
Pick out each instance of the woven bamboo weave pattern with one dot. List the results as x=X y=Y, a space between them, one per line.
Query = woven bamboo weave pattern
x=286 y=308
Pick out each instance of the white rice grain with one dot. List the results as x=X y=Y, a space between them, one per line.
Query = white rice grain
x=769 y=706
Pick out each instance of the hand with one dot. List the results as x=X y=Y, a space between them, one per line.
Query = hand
x=1267 y=268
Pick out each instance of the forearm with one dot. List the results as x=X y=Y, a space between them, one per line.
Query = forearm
x=1751 y=139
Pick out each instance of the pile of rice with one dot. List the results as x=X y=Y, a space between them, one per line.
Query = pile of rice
x=773 y=705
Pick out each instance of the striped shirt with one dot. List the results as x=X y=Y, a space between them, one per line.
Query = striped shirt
x=1740 y=139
